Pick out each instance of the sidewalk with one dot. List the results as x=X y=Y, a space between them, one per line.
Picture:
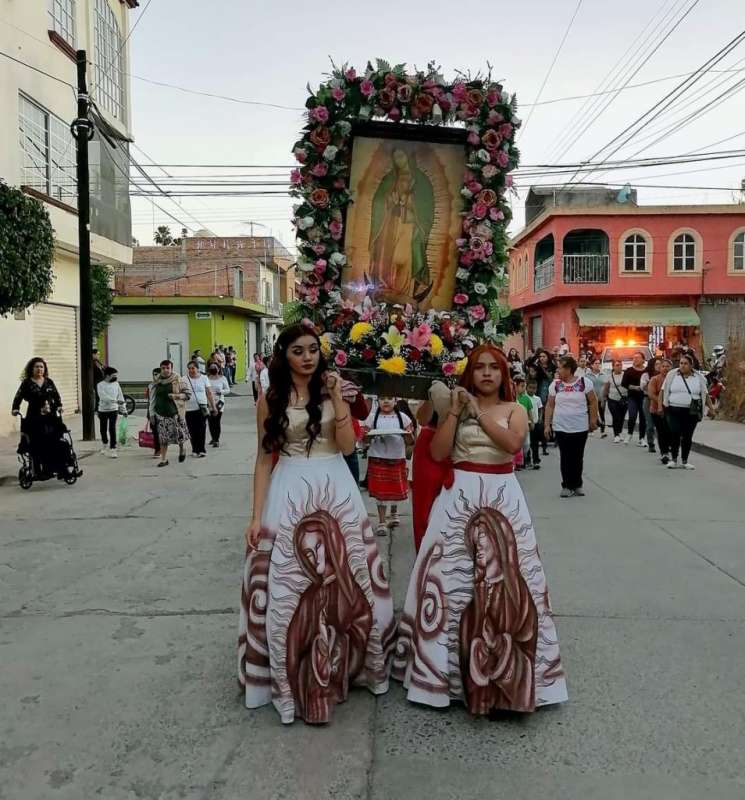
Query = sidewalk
x=722 y=440
x=9 y=444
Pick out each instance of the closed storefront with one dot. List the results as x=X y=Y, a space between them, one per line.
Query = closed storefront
x=55 y=338
x=139 y=342
x=718 y=317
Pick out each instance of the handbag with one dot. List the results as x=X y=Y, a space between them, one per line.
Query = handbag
x=146 y=438
x=696 y=407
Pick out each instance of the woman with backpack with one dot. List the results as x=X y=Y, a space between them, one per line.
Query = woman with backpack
x=387 y=478
x=617 y=396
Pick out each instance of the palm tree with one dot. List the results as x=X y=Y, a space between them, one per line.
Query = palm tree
x=163 y=236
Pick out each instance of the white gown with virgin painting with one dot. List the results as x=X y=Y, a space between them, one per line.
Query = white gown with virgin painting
x=316 y=612
x=477 y=624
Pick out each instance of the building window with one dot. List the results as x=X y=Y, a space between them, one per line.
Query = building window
x=635 y=254
x=108 y=73
x=62 y=17
x=48 y=152
x=738 y=253
x=684 y=253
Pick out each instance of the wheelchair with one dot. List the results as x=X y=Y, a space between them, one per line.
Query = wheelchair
x=28 y=472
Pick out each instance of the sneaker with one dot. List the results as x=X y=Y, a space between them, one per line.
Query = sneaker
x=114 y=454
x=579 y=492
x=625 y=440
x=545 y=453
x=565 y=493
x=616 y=440
x=212 y=442
x=381 y=529
x=687 y=465
x=672 y=465
x=104 y=450
x=394 y=520
x=652 y=448
x=603 y=435
x=201 y=455
x=642 y=443
x=665 y=460
x=216 y=444
x=536 y=466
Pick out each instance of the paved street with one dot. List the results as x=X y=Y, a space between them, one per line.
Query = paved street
x=118 y=627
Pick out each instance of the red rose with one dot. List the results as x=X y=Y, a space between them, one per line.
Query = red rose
x=368 y=354
x=491 y=139
x=390 y=79
x=321 y=137
x=386 y=98
x=415 y=355
x=320 y=198
x=400 y=324
x=424 y=103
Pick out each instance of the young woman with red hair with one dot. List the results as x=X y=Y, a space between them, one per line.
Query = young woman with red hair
x=477 y=623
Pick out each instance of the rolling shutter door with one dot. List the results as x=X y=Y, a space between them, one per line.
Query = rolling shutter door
x=56 y=341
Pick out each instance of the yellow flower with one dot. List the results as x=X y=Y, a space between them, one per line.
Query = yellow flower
x=461 y=365
x=394 y=339
x=435 y=345
x=325 y=346
x=360 y=329
x=394 y=366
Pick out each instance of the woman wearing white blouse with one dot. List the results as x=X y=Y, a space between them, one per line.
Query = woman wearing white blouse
x=220 y=387
x=684 y=395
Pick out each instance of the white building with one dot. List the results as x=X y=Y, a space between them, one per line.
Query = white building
x=37 y=153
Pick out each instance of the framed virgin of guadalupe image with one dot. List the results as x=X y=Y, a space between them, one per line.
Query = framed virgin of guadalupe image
x=405 y=215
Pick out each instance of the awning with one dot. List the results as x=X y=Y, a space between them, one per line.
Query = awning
x=610 y=316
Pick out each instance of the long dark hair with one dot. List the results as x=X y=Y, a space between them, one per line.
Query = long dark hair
x=28 y=372
x=280 y=389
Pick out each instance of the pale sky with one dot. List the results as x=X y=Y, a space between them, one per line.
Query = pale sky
x=269 y=51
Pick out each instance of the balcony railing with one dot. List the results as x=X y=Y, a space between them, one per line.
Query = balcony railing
x=543 y=275
x=587 y=268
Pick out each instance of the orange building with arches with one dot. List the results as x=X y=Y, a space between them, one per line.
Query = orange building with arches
x=621 y=274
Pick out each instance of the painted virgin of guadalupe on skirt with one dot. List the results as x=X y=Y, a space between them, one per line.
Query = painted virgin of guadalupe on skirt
x=402 y=217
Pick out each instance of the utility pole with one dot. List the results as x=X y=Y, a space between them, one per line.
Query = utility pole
x=82 y=130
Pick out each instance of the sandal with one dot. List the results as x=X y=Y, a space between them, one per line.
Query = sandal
x=163 y=464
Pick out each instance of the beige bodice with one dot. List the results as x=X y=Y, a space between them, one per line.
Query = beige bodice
x=473 y=444
x=297 y=435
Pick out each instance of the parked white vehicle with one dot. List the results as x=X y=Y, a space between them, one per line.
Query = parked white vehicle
x=626 y=354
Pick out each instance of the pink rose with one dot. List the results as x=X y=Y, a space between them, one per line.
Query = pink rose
x=487 y=249
x=340 y=359
x=460 y=242
x=311 y=295
x=445 y=103
x=509 y=181
x=502 y=159
x=338 y=93
x=390 y=79
x=335 y=229
x=448 y=368
x=319 y=249
x=420 y=336
x=496 y=214
x=367 y=87
x=320 y=114
x=350 y=74
x=295 y=177
x=480 y=210
x=466 y=260
x=394 y=114
x=339 y=183
x=460 y=299
x=489 y=171
x=505 y=130
x=459 y=92
x=493 y=97
x=473 y=138
x=477 y=313
x=494 y=118
x=320 y=169
x=300 y=155
x=474 y=187
x=320 y=266
x=329 y=286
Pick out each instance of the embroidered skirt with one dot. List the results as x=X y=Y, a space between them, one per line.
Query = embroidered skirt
x=387 y=479
x=171 y=430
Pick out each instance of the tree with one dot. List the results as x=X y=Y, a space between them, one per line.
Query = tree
x=26 y=251
x=163 y=236
x=102 y=297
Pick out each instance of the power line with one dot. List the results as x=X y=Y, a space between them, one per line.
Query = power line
x=552 y=65
x=36 y=69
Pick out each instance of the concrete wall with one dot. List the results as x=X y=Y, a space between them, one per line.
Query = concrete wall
x=138 y=342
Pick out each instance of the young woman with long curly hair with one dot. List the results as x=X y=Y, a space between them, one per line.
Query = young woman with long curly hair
x=316 y=611
x=477 y=624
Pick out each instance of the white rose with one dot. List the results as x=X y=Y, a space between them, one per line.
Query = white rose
x=480 y=288
x=467 y=193
x=506 y=98
x=330 y=152
x=335 y=297
x=304 y=265
x=338 y=259
x=483 y=155
x=462 y=274
x=345 y=128
x=304 y=223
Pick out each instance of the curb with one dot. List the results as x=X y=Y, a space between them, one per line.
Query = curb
x=719 y=455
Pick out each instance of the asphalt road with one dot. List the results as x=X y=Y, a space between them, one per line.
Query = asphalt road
x=118 y=626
